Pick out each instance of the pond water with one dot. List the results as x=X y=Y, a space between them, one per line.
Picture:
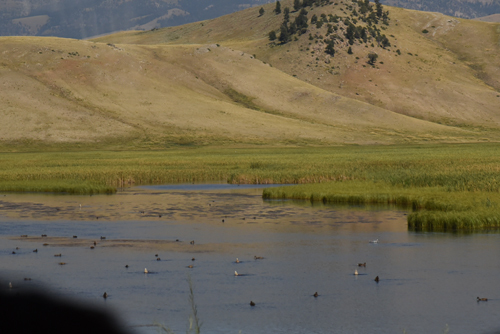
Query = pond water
x=428 y=281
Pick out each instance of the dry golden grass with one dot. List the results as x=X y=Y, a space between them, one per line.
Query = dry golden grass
x=200 y=84
x=448 y=76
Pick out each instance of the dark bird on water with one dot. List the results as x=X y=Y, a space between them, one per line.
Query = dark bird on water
x=193 y=259
x=482 y=299
x=192 y=242
x=158 y=259
x=316 y=294
x=252 y=303
x=362 y=264
x=126 y=266
x=258 y=257
x=35 y=251
x=95 y=243
x=92 y=247
x=105 y=295
x=74 y=237
x=376 y=279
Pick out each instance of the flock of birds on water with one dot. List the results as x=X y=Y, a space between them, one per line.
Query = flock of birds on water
x=146 y=271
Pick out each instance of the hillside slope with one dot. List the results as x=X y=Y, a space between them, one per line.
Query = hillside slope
x=437 y=68
x=69 y=91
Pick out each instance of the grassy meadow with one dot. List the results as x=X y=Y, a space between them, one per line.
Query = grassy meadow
x=448 y=187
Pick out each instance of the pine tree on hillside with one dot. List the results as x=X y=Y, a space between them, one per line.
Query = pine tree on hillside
x=277 y=10
x=261 y=11
x=296 y=5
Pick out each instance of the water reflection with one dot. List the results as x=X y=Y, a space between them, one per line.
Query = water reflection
x=427 y=280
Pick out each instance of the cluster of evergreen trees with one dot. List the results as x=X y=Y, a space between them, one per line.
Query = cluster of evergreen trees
x=369 y=14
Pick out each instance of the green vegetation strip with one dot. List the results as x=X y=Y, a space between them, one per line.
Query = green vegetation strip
x=448 y=187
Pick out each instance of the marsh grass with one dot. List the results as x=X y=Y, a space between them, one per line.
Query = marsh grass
x=194 y=321
x=457 y=185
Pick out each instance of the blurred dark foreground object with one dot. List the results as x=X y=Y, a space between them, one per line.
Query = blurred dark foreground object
x=34 y=312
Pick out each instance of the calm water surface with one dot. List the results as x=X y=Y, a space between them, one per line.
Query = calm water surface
x=428 y=281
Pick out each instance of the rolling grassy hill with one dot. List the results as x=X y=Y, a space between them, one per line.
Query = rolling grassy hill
x=222 y=82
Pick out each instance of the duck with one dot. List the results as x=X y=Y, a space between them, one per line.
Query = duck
x=192 y=242
x=103 y=238
x=105 y=295
x=58 y=255
x=355 y=272
x=190 y=266
x=156 y=255
x=27 y=279
x=62 y=263
x=374 y=241
x=35 y=250
x=92 y=247
x=126 y=266
x=362 y=264
x=236 y=273
x=146 y=271
x=95 y=243
x=158 y=259
x=252 y=303
x=258 y=257
x=316 y=294
x=482 y=299
x=376 y=279
x=237 y=261
x=75 y=236
x=193 y=259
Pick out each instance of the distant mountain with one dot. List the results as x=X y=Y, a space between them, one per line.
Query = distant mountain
x=467 y=9
x=86 y=18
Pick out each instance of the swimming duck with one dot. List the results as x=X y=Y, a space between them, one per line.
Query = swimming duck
x=190 y=266
x=374 y=241
x=376 y=279
x=482 y=299
x=316 y=294
x=74 y=237
x=57 y=255
x=258 y=257
x=103 y=238
x=193 y=259
x=27 y=279
x=35 y=251
x=158 y=259
x=92 y=247
x=252 y=303
x=146 y=271
x=237 y=261
x=105 y=295
x=192 y=242
x=355 y=272
x=126 y=266
x=362 y=264
x=156 y=255
x=236 y=273
x=62 y=263
x=45 y=244
x=95 y=243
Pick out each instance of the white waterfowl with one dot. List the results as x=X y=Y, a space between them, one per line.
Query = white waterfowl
x=146 y=271
x=355 y=272
x=374 y=241
x=236 y=273
x=237 y=261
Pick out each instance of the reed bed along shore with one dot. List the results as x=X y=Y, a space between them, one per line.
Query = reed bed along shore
x=457 y=185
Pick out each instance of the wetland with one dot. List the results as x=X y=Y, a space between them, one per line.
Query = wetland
x=429 y=281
